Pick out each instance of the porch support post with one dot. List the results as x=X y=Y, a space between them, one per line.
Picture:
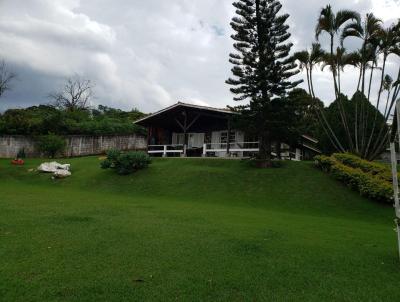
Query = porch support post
x=185 y=126
x=204 y=150
x=298 y=154
x=185 y=134
x=228 y=146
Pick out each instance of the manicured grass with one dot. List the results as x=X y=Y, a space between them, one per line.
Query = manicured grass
x=192 y=230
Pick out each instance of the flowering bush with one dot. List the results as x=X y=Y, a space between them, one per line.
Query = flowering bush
x=374 y=183
x=365 y=165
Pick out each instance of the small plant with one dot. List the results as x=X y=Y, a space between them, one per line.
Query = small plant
x=126 y=163
x=51 y=144
x=21 y=154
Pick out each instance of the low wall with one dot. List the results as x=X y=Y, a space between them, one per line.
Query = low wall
x=76 y=145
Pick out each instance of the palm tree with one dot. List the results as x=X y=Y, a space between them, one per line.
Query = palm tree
x=366 y=31
x=387 y=41
x=303 y=59
x=336 y=63
x=316 y=57
x=308 y=60
x=387 y=86
x=389 y=44
x=331 y=23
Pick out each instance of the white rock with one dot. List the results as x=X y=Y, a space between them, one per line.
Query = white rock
x=61 y=173
x=53 y=167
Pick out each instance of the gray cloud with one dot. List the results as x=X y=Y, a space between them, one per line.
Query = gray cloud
x=144 y=54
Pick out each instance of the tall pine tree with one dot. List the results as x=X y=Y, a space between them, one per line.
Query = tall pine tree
x=262 y=68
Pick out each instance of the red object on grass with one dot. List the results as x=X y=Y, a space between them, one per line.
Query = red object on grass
x=17 y=162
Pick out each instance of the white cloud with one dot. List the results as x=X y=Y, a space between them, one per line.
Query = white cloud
x=145 y=54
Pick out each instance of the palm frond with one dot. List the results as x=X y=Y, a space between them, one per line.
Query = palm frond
x=353 y=29
x=343 y=16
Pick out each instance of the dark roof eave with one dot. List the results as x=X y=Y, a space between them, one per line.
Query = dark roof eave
x=179 y=104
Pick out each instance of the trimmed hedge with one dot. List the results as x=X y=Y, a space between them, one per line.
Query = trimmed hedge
x=367 y=166
x=354 y=172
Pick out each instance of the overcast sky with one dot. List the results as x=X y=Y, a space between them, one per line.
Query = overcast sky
x=144 y=54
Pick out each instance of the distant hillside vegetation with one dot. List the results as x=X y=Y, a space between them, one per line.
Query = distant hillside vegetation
x=44 y=119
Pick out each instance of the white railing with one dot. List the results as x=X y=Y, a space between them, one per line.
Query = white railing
x=233 y=147
x=165 y=149
x=249 y=147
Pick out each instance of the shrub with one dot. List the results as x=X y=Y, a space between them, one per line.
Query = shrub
x=51 y=144
x=21 y=153
x=366 y=166
x=374 y=184
x=126 y=163
x=324 y=162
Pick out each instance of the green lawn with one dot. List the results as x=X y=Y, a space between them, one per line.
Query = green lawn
x=192 y=230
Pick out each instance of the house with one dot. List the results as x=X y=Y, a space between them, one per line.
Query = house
x=192 y=130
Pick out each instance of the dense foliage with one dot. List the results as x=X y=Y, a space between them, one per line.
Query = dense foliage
x=126 y=162
x=51 y=144
x=262 y=70
x=351 y=106
x=371 y=180
x=41 y=120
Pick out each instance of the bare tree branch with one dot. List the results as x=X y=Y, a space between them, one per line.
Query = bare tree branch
x=5 y=78
x=76 y=94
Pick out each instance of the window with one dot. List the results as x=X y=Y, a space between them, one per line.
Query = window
x=232 y=137
x=224 y=137
x=178 y=138
x=207 y=138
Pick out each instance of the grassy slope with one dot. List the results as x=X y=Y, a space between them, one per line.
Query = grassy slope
x=193 y=230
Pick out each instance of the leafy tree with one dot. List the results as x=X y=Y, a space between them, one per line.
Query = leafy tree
x=51 y=144
x=41 y=120
x=262 y=68
x=332 y=113
x=331 y=23
x=306 y=109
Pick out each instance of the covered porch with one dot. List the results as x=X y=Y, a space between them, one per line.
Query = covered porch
x=192 y=130
x=186 y=130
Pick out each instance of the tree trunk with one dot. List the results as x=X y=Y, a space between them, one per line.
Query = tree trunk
x=367 y=151
x=312 y=84
x=359 y=79
x=380 y=143
x=309 y=82
x=278 y=150
x=370 y=81
x=265 y=141
x=324 y=122
x=264 y=155
x=333 y=65
x=340 y=105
